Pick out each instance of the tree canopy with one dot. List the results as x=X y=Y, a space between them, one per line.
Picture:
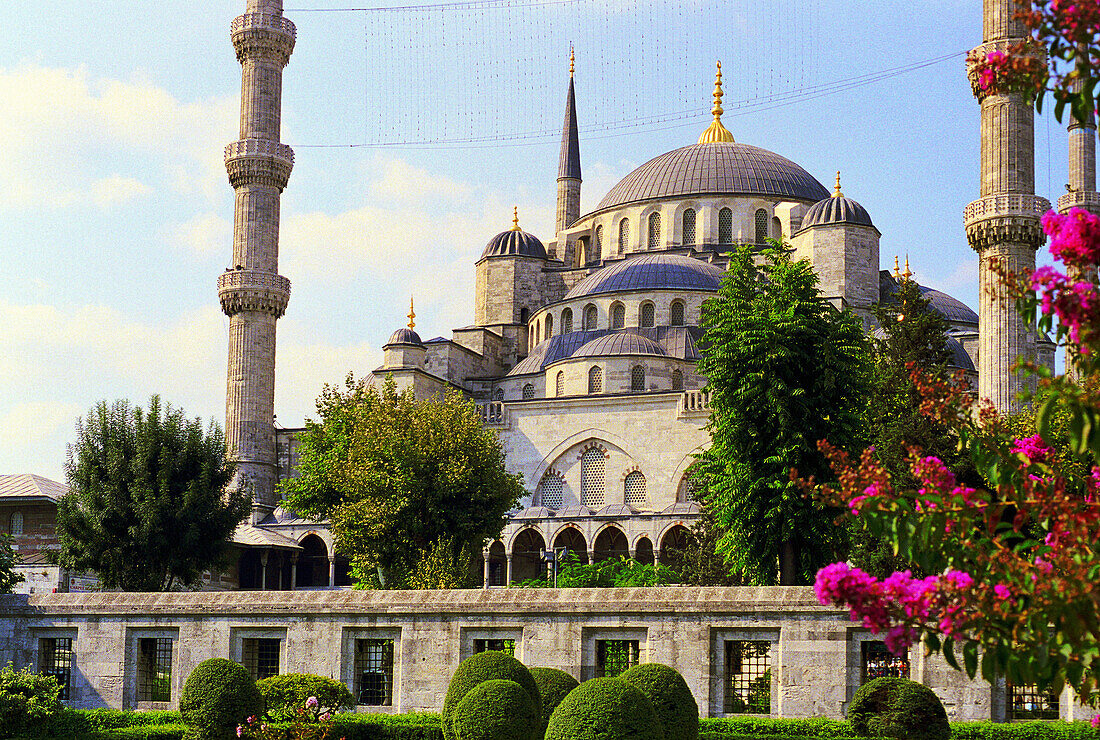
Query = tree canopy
x=785 y=369
x=398 y=476
x=8 y=560
x=147 y=508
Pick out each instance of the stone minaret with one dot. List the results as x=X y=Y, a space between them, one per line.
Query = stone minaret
x=1003 y=224
x=569 y=165
x=252 y=292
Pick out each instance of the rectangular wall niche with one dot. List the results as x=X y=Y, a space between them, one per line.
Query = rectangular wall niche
x=480 y=639
x=370 y=666
x=261 y=650
x=152 y=677
x=607 y=651
x=55 y=654
x=743 y=677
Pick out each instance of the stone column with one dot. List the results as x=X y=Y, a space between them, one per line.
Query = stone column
x=508 y=576
x=331 y=571
x=485 y=569
x=294 y=571
x=263 y=570
x=252 y=293
x=1003 y=225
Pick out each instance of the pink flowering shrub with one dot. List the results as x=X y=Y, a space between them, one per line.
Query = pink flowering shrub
x=1069 y=30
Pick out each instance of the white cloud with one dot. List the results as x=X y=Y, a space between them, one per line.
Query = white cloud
x=117 y=189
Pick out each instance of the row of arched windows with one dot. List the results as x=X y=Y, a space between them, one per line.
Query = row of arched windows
x=551 y=489
x=762 y=220
x=647 y=318
x=595 y=383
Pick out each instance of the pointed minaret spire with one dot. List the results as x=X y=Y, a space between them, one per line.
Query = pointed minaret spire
x=716 y=131
x=836 y=190
x=515 y=219
x=569 y=163
x=411 y=314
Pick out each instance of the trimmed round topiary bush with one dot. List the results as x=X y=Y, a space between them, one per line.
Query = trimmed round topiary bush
x=486 y=666
x=605 y=709
x=553 y=686
x=898 y=708
x=670 y=696
x=285 y=693
x=497 y=709
x=217 y=696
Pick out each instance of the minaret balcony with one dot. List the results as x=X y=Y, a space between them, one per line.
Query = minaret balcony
x=262 y=34
x=1010 y=217
x=253 y=290
x=258 y=162
x=1088 y=200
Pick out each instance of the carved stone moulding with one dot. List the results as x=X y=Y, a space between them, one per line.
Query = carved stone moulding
x=253 y=290
x=267 y=164
x=263 y=36
x=994 y=230
x=1086 y=199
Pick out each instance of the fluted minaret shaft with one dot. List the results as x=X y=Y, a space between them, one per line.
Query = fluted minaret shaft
x=1003 y=225
x=569 y=166
x=251 y=291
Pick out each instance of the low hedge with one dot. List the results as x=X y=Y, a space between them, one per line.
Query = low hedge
x=1057 y=730
x=82 y=721
x=777 y=727
x=141 y=732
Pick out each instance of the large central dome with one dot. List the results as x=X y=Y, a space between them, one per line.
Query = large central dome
x=716 y=168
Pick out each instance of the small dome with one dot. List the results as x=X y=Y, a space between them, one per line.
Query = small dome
x=836 y=210
x=960 y=358
x=533 y=512
x=514 y=243
x=405 y=335
x=683 y=507
x=715 y=168
x=650 y=272
x=571 y=512
x=622 y=343
x=616 y=510
x=950 y=308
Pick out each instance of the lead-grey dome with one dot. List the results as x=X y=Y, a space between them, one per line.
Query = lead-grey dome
x=514 y=243
x=836 y=209
x=405 y=335
x=621 y=343
x=651 y=272
x=716 y=168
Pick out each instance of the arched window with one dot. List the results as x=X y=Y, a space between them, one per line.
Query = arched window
x=688 y=490
x=689 y=226
x=595 y=380
x=618 y=316
x=654 y=241
x=590 y=316
x=550 y=491
x=17 y=523
x=624 y=234
x=498 y=394
x=725 y=226
x=567 y=321
x=592 y=477
x=535 y=334
x=676 y=314
x=777 y=228
x=677 y=380
x=647 y=314
x=634 y=490
x=528 y=392
x=761 y=226
x=597 y=239
x=524 y=314
x=549 y=326
x=559 y=384
x=637 y=378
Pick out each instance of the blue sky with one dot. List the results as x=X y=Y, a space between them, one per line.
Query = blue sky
x=115 y=213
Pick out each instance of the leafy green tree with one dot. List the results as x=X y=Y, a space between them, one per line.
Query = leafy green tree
x=147 y=508
x=784 y=369
x=8 y=560
x=396 y=476
x=621 y=572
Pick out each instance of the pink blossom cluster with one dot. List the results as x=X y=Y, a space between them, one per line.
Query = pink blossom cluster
x=1034 y=448
x=1074 y=237
x=987 y=73
x=1077 y=305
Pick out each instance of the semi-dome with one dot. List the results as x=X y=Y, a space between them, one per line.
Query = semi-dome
x=620 y=343
x=837 y=209
x=650 y=272
x=950 y=308
x=716 y=168
x=405 y=335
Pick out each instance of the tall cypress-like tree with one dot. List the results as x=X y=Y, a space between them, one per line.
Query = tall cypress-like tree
x=147 y=508
x=785 y=369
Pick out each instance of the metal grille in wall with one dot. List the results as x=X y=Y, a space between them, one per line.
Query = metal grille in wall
x=615 y=656
x=590 y=317
x=500 y=645
x=55 y=658
x=624 y=231
x=567 y=321
x=1026 y=701
x=647 y=314
x=154 y=676
x=618 y=316
x=260 y=656
x=689 y=226
x=761 y=225
x=634 y=490
x=676 y=314
x=748 y=683
x=528 y=392
x=595 y=380
x=677 y=380
x=878 y=662
x=637 y=378
x=550 y=492
x=374 y=672
x=725 y=226
x=598 y=240
x=592 y=477
x=559 y=384
x=654 y=241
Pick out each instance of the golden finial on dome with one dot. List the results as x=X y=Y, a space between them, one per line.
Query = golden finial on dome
x=571 y=61
x=897 y=267
x=836 y=190
x=716 y=131
x=515 y=219
x=411 y=314
x=908 y=273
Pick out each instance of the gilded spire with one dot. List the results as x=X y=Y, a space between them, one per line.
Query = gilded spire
x=515 y=219
x=411 y=314
x=908 y=273
x=836 y=190
x=571 y=60
x=716 y=131
x=897 y=267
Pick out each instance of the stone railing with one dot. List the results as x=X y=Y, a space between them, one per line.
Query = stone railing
x=265 y=21
x=1013 y=204
x=253 y=290
x=491 y=413
x=234 y=279
x=259 y=148
x=694 y=402
x=1086 y=199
